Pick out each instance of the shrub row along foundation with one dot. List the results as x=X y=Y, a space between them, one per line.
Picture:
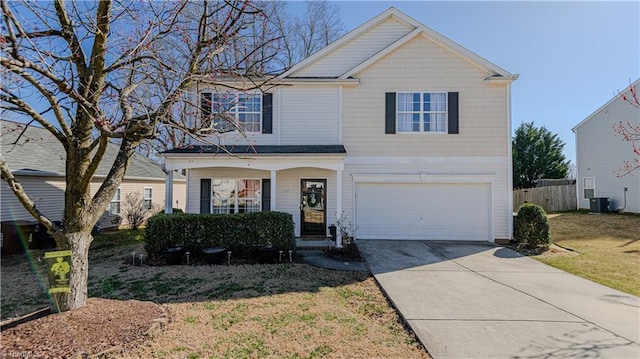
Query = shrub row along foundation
x=240 y=233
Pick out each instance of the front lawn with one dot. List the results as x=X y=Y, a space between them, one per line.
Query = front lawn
x=243 y=311
x=607 y=248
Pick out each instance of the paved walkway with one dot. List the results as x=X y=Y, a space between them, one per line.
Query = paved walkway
x=478 y=300
x=318 y=258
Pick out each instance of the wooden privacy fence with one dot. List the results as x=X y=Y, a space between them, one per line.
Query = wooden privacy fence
x=551 y=198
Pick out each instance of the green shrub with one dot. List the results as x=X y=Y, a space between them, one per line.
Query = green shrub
x=239 y=233
x=531 y=228
x=174 y=210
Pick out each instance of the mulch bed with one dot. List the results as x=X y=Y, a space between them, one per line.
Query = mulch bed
x=101 y=325
x=346 y=253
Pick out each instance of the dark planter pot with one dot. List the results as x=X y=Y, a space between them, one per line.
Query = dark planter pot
x=214 y=255
x=174 y=255
x=266 y=254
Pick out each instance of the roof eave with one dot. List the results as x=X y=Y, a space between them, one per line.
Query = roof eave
x=316 y=81
x=339 y=42
x=249 y=155
x=634 y=85
x=498 y=79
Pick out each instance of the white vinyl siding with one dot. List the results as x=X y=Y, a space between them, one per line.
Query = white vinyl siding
x=46 y=192
x=48 y=195
x=600 y=153
x=310 y=115
x=357 y=51
x=421 y=64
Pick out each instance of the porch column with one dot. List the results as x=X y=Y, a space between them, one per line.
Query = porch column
x=273 y=190
x=338 y=206
x=168 y=192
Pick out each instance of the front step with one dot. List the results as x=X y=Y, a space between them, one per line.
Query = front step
x=311 y=244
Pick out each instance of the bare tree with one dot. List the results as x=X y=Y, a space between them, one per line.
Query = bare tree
x=136 y=210
x=95 y=72
x=303 y=35
x=277 y=40
x=630 y=132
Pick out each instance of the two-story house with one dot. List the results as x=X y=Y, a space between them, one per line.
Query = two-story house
x=393 y=128
x=601 y=153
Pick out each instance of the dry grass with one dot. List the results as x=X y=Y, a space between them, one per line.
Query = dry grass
x=607 y=248
x=245 y=311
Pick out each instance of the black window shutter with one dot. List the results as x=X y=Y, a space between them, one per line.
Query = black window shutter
x=267 y=113
x=206 y=101
x=266 y=195
x=453 y=126
x=205 y=195
x=390 y=113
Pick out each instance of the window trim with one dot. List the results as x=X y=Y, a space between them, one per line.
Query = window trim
x=118 y=201
x=235 y=199
x=422 y=113
x=145 y=199
x=236 y=109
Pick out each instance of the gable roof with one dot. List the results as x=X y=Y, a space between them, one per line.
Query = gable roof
x=416 y=29
x=39 y=153
x=601 y=108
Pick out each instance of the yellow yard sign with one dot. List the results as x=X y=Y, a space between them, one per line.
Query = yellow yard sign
x=58 y=270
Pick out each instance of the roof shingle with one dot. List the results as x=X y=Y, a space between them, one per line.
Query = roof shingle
x=38 y=150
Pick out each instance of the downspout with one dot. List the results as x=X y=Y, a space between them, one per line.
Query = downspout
x=625 y=200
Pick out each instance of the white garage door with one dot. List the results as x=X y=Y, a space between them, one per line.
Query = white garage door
x=423 y=211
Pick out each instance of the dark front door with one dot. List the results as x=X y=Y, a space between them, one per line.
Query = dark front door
x=313 y=207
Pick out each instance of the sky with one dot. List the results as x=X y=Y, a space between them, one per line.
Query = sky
x=572 y=57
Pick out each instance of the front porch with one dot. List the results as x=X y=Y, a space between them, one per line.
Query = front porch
x=305 y=181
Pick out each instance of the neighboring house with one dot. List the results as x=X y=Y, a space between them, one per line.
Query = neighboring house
x=393 y=128
x=38 y=163
x=600 y=154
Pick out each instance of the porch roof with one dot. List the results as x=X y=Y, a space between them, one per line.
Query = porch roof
x=260 y=157
x=261 y=150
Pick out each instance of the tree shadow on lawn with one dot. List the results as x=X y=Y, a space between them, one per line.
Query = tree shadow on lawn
x=112 y=276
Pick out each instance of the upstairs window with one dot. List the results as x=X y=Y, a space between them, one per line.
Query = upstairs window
x=230 y=111
x=422 y=112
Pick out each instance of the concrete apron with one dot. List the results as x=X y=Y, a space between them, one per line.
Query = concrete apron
x=478 y=300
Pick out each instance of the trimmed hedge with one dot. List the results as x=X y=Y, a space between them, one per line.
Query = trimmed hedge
x=531 y=228
x=241 y=233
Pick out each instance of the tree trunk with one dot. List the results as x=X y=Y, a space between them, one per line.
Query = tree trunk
x=79 y=242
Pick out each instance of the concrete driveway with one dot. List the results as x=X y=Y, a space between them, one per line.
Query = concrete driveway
x=479 y=300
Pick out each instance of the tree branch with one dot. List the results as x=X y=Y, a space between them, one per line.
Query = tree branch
x=103 y=142
x=69 y=35
x=25 y=108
